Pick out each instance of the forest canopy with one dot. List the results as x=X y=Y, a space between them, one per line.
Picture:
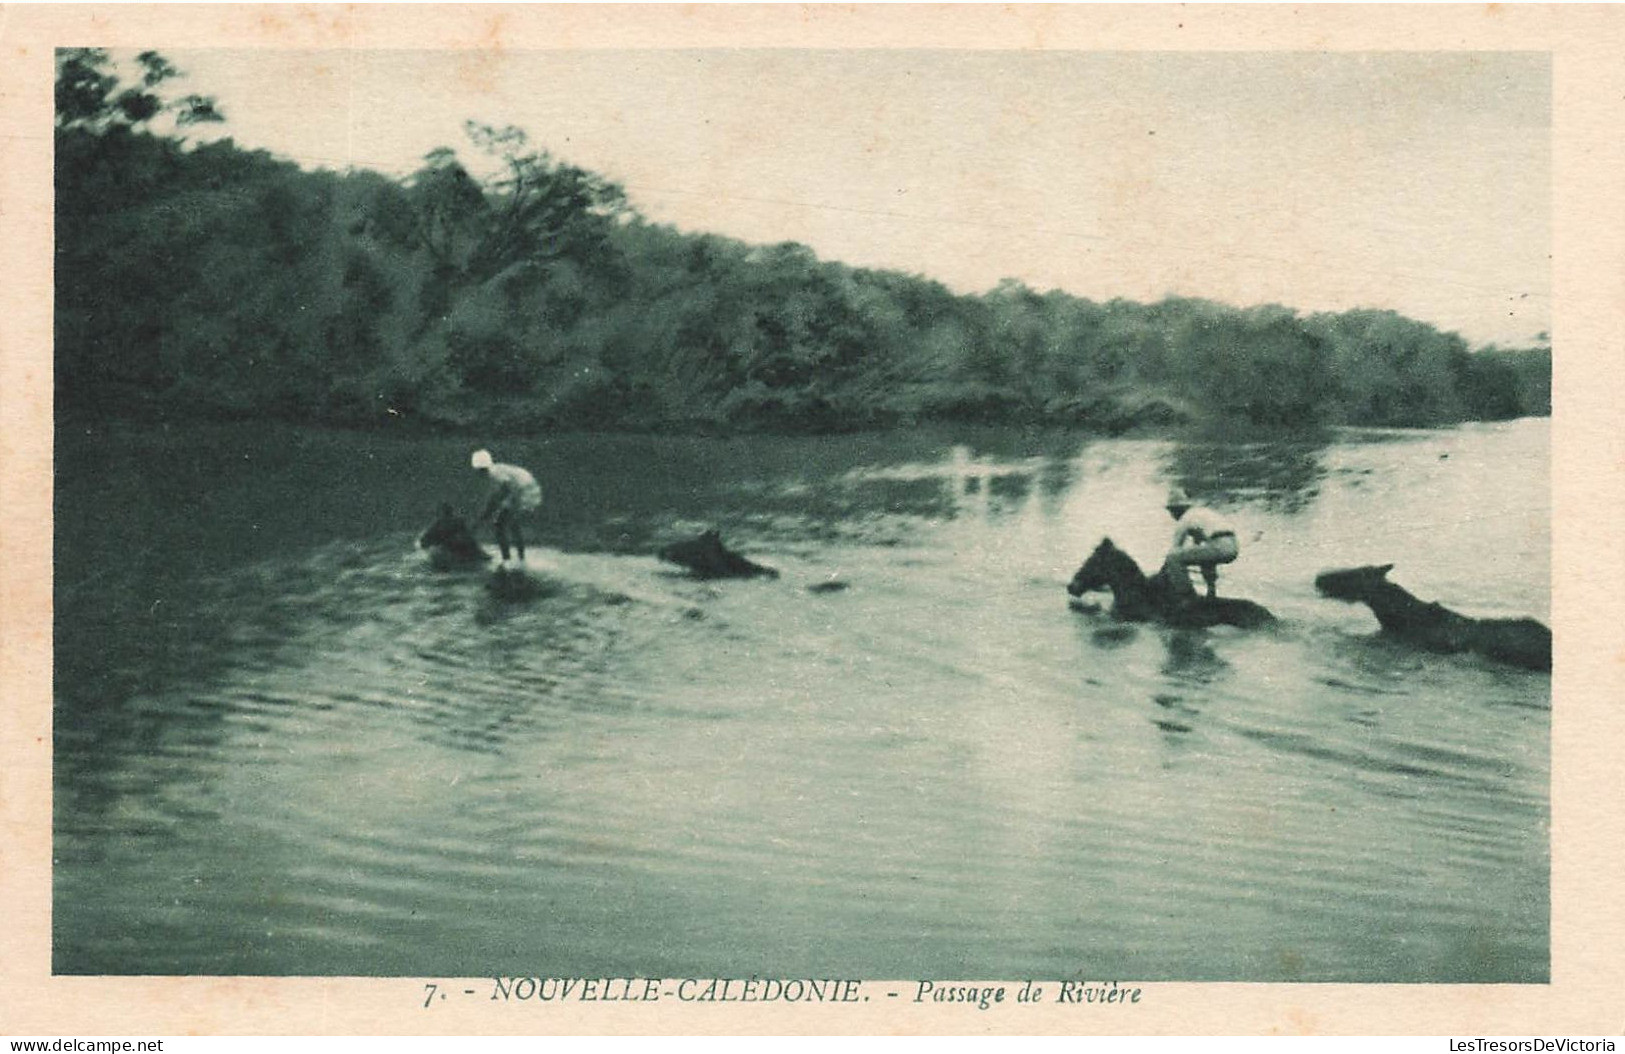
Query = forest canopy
x=207 y=280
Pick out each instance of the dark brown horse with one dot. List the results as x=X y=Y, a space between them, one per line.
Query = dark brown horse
x=1137 y=597
x=1517 y=641
x=451 y=544
x=707 y=557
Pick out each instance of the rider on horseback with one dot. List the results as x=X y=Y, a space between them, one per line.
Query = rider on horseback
x=1202 y=538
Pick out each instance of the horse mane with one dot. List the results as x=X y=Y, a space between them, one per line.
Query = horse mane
x=1118 y=556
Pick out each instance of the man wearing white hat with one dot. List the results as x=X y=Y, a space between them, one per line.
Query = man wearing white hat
x=514 y=492
x=1201 y=537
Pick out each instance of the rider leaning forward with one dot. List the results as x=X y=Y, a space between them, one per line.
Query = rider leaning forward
x=513 y=493
x=1201 y=537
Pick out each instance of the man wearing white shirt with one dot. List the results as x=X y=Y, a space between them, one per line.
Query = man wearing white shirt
x=1201 y=537
x=514 y=492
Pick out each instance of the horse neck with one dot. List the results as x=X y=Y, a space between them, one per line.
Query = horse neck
x=1393 y=605
x=1125 y=578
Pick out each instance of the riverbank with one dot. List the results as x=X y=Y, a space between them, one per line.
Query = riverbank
x=218 y=283
x=1149 y=417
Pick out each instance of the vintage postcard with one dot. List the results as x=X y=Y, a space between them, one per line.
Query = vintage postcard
x=719 y=519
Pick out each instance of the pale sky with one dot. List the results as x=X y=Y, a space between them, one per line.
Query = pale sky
x=1419 y=182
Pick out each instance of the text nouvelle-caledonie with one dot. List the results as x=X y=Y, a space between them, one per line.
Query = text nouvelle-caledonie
x=772 y=990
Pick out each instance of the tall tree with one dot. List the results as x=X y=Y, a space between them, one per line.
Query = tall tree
x=532 y=211
x=89 y=95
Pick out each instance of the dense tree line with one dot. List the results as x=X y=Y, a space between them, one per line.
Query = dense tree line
x=209 y=280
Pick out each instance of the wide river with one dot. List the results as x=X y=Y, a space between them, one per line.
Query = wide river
x=285 y=745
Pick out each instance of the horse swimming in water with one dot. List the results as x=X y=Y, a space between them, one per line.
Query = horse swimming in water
x=1517 y=641
x=1137 y=597
x=707 y=557
x=451 y=544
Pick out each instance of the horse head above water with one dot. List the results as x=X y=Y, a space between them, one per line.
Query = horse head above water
x=707 y=557
x=1108 y=567
x=1354 y=583
x=1138 y=597
x=451 y=544
x=1520 y=642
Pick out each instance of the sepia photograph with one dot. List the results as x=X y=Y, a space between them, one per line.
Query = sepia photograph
x=814 y=515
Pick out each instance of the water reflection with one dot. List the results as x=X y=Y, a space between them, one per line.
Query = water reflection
x=1281 y=477
x=1056 y=476
x=975 y=480
x=1007 y=493
x=1007 y=445
x=1189 y=666
x=1191 y=659
x=1175 y=715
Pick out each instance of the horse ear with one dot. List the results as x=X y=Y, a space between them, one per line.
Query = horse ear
x=1383 y=569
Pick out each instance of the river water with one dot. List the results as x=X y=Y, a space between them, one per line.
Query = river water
x=284 y=745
